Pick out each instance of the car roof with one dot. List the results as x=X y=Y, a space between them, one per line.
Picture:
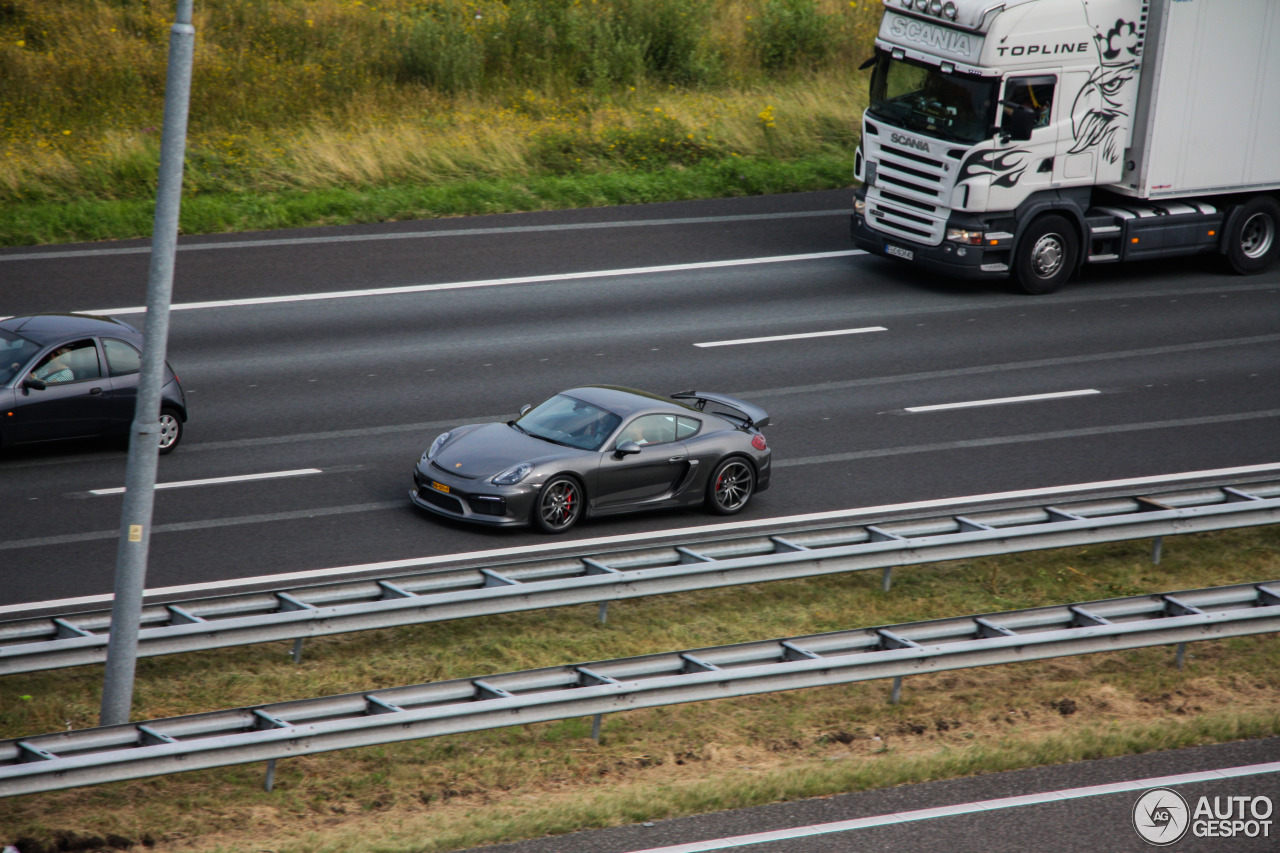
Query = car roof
x=47 y=328
x=624 y=402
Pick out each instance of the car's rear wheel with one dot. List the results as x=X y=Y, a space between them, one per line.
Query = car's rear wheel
x=731 y=486
x=170 y=429
x=559 y=505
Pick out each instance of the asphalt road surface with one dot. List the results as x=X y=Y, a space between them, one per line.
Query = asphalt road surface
x=319 y=364
x=1083 y=807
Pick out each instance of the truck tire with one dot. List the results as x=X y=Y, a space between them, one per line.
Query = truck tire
x=1046 y=254
x=1253 y=242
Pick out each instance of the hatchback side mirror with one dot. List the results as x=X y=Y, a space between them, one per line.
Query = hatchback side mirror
x=626 y=448
x=34 y=384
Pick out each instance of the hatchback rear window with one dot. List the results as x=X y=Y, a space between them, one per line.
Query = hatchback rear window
x=122 y=359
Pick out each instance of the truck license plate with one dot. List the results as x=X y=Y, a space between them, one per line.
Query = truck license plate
x=905 y=254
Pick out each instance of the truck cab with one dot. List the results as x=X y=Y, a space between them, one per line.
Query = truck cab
x=997 y=141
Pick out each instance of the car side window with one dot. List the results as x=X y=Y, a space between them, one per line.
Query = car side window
x=122 y=358
x=686 y=427
x=650 y=429
x=69 y=363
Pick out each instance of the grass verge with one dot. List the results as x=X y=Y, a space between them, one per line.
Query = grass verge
x=445 y=793
x=106 y=219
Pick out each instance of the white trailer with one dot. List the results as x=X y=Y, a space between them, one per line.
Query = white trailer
x=1027 y=138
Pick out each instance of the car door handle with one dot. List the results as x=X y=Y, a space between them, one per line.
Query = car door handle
x=95 y=390
x=676 y=459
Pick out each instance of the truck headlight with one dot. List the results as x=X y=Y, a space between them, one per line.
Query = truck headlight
x=965 y=236
x=859 y=207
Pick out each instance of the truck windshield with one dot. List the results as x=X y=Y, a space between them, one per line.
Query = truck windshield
x=921 y=98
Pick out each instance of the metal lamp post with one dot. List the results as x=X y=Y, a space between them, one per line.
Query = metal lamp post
x=144 y=440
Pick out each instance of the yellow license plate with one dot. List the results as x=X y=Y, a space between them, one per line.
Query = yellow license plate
x=439 y=487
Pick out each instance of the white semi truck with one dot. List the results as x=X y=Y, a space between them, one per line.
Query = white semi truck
x=1027 y=138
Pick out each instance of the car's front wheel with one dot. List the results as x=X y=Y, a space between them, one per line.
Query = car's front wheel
x=170 y=429
x=731 y=486
x=559 y=505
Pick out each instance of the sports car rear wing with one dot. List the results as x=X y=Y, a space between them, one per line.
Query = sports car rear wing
x=752 y=416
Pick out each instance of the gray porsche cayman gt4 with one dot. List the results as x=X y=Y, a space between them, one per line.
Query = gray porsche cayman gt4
x=598 y=450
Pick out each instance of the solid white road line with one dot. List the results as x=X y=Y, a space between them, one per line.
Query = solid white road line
x=998 y=401
x=793 y=337
x=492 y=282
x=632 y=538
x=242 y=478
x=434 y=233
x=1065 y=794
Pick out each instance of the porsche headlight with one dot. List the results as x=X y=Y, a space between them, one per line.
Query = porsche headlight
x=437 y=444
x=513 y=475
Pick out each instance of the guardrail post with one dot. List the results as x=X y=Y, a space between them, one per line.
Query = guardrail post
x=603 y=613
x=896 y=695
x=297 y=650
x=886 y=579
x=1181 y=655
x=596 y=722
x=270 y=781
x=1156 y=547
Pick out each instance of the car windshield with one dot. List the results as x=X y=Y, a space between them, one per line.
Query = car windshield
x=923 y=99
x=571 y=422
x=15 y=351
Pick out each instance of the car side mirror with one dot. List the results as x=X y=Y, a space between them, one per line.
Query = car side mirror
x=34 y=384
x=626 y=448
x=525 y=409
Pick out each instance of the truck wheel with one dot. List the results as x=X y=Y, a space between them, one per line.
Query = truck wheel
x=1252 y=244
x=1046 y=255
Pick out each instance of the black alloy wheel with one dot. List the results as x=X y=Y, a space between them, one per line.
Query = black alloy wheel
x=559 y=505
x=731 y=486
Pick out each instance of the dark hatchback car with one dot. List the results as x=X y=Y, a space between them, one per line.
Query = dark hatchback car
x=76 y=376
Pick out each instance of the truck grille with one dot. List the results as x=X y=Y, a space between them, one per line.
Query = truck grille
x=909 y=196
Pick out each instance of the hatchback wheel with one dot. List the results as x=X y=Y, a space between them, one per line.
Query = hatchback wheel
x=170 y=429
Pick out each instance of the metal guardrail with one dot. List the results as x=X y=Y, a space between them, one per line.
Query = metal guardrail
x=269 y=732
x=60 y=641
